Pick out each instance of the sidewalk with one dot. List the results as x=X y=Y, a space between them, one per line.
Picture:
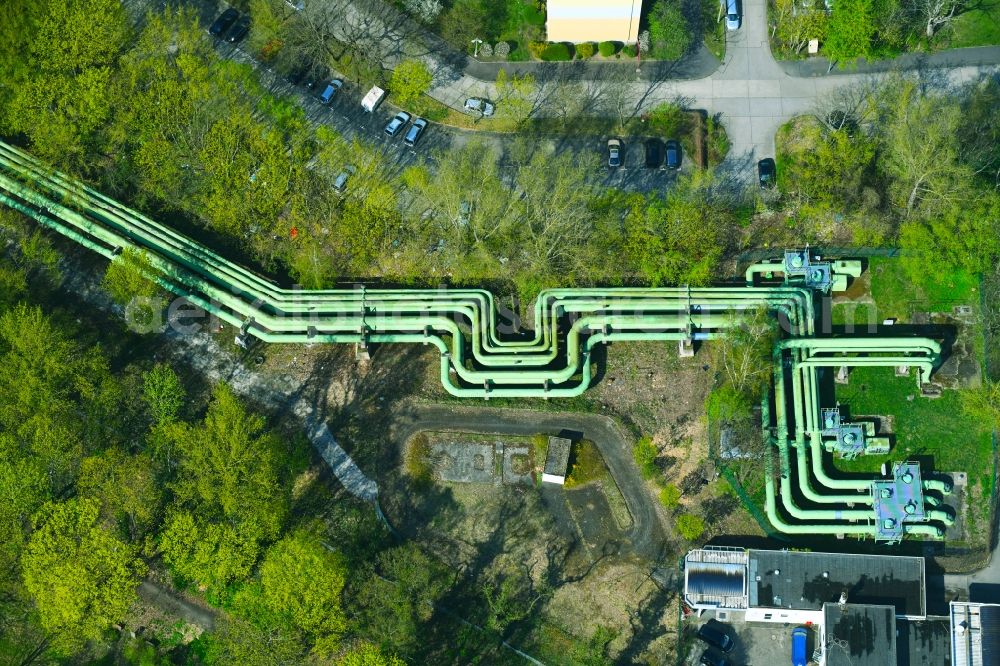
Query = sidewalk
x=976 y=56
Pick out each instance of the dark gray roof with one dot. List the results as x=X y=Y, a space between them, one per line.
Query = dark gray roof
x=989 y=617
x=557 y=456
x=860 y=635
x=923 y=642
x=805 y=581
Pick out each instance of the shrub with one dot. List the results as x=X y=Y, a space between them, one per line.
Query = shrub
x=556 y=51
x=536 y=49
x=501 y=50
x=690 y=526
x=668 y=30
x=666 y=119
x=644 y=41
x=645 y=453
x=607 y=49
x=630 y=51
x=585 y=50
x=486 y=50
x=418 y=461
x=670 y=496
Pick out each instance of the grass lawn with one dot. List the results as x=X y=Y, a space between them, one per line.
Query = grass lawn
x=896 y=295
x=585 y=464
x=715 y=29
x=923 y=427
x=979 y=27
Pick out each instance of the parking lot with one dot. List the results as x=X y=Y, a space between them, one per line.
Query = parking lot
x=757 y=644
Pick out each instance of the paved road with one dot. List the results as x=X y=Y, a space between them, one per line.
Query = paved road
x=646 y=534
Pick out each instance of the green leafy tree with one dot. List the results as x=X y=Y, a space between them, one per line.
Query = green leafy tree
x=82 y=578
x=745 y=351
x=228 y=493
x=670 y=496
x=127 y=277
x=965 y=237
x=668 y=30
x=831 y=167
x=689 y=526
x=515 y=97
x=301 y=581
x=399 y=598
x=410 y=80
x=126 y=488
x=163 y=393
x=367 y=654
x=595 y=651
x=645 y=453
x=851 y=29
x=239 y=641
x=983 y=404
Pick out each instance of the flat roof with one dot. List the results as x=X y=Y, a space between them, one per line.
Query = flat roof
x=860 y=635
x=592 y=20
x=924 y=642
x=557 y=456
x=806 y=581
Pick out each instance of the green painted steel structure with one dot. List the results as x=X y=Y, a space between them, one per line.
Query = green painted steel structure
x=552 y=361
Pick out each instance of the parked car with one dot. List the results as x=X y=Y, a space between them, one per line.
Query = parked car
x=767 y=174
x=397 y=123
x=734 y=15
x=372 y=99
x=297 y=75
x=221 y=24
x=674 y=155
x=800 y=637
x=479 y=105
x=715 y=634
x=340 y=184
x=614 y=153
x=239 y=29
x=416 y=130
x=654 y=153
x=330 y=90
x=712 y=657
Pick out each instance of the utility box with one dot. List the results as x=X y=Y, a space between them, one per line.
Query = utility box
x=373 y=99
x=557 y=460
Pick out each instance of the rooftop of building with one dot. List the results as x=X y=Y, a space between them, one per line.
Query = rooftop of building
x=557 y=456
x=860 y=634
x=806 y=581
x=923 y=642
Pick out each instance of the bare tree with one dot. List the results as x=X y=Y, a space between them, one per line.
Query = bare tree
x=937 y=13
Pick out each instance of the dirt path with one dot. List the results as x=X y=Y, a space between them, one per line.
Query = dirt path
x=176 y=606
x=646 y=534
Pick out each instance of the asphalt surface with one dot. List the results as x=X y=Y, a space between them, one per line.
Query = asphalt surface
x=645 y=536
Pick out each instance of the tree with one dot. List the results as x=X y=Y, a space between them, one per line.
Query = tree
x=228 y=493
x=938 y=13
x=239 y=641
x=921 y=151
x=670 y=496
x=515 y=97
x=645 y=453
x=679 y=238
x=126 y=488
x=983 y=404
x=689 y=526
x=163 y=393
x=399 y=597
x=367 y=654
x=81 y=577
x=668 y=30
x=410 y=80
x=745 y=350
x=128 y=281
x=851 y=29
x=965 y=237
x=302 y=581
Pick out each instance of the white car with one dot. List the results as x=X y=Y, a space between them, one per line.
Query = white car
x=479 y=105
x=614 y=153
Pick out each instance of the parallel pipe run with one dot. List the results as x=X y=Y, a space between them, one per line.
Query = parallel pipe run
x=478 y=361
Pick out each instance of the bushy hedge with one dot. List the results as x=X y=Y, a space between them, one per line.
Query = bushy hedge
x=607 y=49
x=630 y=51
x=557 y=51
x=585 y=50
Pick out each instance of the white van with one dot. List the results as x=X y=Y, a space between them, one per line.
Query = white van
x=372 y=99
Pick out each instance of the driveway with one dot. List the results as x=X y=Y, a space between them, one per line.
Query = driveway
x=646 y=535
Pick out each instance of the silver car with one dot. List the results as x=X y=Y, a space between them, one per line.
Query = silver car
x=416 y=129
x=397 y=123
x=480 y=106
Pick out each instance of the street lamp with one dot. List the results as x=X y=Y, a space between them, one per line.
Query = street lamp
x=476 y=42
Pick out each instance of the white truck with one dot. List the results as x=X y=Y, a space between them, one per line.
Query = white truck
x=373 y=99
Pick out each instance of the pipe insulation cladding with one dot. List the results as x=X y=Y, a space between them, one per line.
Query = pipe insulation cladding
x=554 y=360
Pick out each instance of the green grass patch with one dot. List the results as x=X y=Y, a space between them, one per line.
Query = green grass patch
x=978 y=27
x=585 y=464
x=937 y=428
x=897 y=295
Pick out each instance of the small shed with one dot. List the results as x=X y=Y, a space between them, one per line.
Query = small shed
x=556 y=460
